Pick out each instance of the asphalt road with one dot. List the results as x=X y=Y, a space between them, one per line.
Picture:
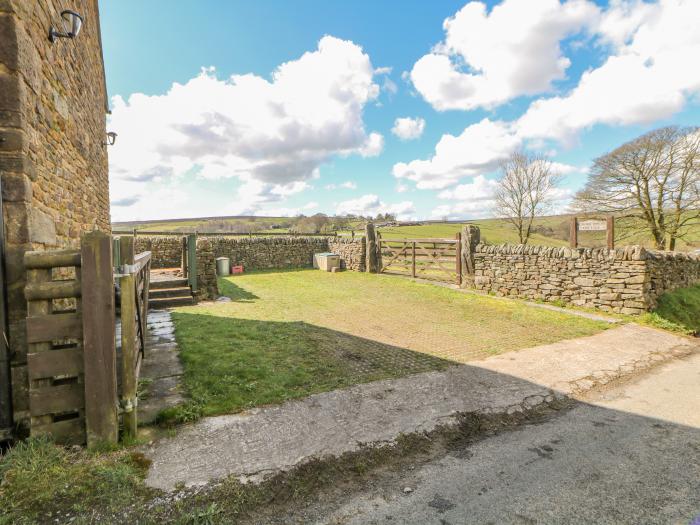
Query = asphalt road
x=632 y=455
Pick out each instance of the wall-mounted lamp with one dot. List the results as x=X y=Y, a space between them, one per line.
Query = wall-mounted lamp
x=72 y=23
x=111 y=138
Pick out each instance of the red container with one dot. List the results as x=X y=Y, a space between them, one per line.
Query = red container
x=237 y=269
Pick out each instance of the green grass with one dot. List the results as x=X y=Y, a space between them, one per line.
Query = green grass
x=678 y=310
x=42 y=482
x=289 y=334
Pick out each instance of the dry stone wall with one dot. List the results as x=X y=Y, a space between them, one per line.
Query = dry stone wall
x=625 y=280
x=166 y=250
x=671 y=270
x=207 y=287
x=261 y=253
x=352 y=251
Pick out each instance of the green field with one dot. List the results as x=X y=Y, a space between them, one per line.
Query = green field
x=547 y=231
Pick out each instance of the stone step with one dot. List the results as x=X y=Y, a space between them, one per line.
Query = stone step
x=170 y=302
x=170 y=283
x=159 y=293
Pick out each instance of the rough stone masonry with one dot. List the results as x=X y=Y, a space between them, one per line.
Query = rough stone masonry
x=625 y=280
x=53 y=163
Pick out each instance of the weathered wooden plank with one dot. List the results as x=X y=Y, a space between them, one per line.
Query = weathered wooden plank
x=53 y=259
x=54 y=363
x=52 y=290
x=437 y=241
x=56 y=399
x=99 y=348
x=46 y=328
x=129 y=353
x=68 y=432
x=126 y=249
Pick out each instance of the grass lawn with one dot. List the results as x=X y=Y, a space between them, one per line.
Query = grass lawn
x=289 y=334
x=678 y=310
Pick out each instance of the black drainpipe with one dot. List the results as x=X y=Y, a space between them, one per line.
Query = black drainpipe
x=6 y=424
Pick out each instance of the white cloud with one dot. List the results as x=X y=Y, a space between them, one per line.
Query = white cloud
x=649 y=76
x=648 y=79
x=372 y=205
x=373 y=146
x=348 y=185
x=407 y=128
x=488 y=58
x=271 y=134
x=478 y=149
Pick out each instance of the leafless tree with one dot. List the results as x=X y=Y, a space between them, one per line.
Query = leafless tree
x=652 y=183
x=525 y=191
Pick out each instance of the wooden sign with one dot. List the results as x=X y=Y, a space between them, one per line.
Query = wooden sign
x=592 y=226
x=607 y=225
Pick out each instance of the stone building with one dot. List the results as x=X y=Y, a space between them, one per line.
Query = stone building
x=53 y=159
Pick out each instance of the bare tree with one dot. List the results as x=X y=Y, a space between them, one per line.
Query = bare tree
x=652 y=183
x=525 y=191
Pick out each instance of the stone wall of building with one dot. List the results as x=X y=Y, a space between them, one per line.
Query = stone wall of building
x=352 y=251
x=207 y=287
x=53 y=164
x=261 y=253
x=625 y=280
x=166 y=250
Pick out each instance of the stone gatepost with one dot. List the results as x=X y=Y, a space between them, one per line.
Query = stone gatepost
x=471 y=236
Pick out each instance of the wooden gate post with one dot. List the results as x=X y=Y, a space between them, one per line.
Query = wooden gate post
x=99 y=350
x=183 y=256
x=129 y=353
x=573 y=233
x=458 y=258
x=126 y=249
x=413 y=259
x=372 y=247
x=470 y=237
x=611 y=232
x=192 y=261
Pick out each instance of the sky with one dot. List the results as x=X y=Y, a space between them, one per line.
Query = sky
x=227 y=107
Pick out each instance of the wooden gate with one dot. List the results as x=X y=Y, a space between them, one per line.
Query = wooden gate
x=134 y=285
x=73 y=368
x=433 y=259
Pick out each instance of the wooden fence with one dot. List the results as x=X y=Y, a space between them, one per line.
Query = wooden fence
x=434 y=259
x=72 y=361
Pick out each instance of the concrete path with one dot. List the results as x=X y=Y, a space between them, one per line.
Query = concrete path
x=276 y=438
x=630 y=456
x=161 y=370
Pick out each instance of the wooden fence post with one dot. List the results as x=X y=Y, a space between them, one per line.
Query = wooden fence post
x=99 y=351
x=126 y=249
x=372 y=247
x=183 y=256
x=458 y=258
x=573 y=233
x=129 y=353
x=611 y=232
x=413 y=259
x=192 y=261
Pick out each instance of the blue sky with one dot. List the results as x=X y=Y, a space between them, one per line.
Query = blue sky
x=495 y=78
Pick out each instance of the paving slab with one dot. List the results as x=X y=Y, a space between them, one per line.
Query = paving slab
x=271 y=439
x=161 y=370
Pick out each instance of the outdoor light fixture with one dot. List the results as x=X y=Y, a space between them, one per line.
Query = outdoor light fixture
x=111 y=138
x=72 y=23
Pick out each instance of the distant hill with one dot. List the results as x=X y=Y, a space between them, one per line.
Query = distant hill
x=550 y=231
